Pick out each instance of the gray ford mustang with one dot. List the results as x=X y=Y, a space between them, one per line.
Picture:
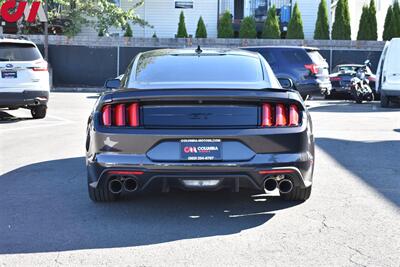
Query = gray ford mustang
x=199 y=120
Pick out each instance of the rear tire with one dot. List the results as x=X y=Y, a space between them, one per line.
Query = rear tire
x=39 y=112
x=101 y=194
x=298 y=194
x=385 y=101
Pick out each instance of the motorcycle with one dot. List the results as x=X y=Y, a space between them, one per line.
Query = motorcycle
x=359 y=88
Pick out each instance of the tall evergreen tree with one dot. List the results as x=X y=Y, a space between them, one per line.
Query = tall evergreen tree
x=387 y=30
x=341 y=27
x=373 y=24
x=364 y=26
x=322 y=24
x=225 y=28
x=201 y=31
x=182 y=33
x=295 y=27
x=271 y=27
x=248 y=28
x=396 y=19
x=128 y=31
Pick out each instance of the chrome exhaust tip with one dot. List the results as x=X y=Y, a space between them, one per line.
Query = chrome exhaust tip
x=285 y=186
x=115 y=186
x=130 y=185
x=270 y=184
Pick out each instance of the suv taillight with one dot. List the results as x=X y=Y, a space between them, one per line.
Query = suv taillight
x=280 y=115
x=120 y=115
x=41 y=65
x=313 y=68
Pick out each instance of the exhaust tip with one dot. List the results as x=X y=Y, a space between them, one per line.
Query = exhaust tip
x=285 y=186
x=115 y=186
x=130 y=185
x=270 y=184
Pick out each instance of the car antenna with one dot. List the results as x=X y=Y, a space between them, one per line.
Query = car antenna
x=198 y=50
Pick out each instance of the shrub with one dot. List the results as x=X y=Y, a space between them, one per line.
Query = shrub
x=182 y=33
x=341 y=27
x=373 y=24
x=271 y=27
x=248 y=28
x=322 y=24
x=387 y=31
x=201 y=31
x=225 y=29
x=363 y=29
x=295 y=27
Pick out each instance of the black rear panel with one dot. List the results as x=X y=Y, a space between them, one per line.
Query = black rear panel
x=173 y=116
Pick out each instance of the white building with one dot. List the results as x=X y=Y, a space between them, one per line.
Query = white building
x=163 y=15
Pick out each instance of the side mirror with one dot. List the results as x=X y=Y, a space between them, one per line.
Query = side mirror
x=112 y=84
x=286 y=83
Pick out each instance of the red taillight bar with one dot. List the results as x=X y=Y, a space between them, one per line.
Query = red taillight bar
x=281 y=117
x=125 y=172
x=312 y=68
x=266 y=115
x=106 y=115
x=133 y=115
x=294 y=117
x=119 y=114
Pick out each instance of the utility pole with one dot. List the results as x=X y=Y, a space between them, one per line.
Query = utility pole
x=46 y=31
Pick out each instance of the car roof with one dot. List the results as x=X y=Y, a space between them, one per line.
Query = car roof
x=284 y=47
x=15 y=40
x=204 y=51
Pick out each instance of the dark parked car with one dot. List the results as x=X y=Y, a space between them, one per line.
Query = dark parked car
x=305 y=66
x=341 y=79
x=199 y=120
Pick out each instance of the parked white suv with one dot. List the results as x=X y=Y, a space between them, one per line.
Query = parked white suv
x=388 y=74
x=24 y=77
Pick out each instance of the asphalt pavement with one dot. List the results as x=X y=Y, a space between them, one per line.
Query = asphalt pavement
x=351 y=219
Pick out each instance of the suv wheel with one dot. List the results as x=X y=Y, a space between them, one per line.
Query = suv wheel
x=298 y=194
x=39 y=112
x=385 y=101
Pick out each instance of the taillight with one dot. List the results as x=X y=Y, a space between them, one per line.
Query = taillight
x=294 y=117
x=371 y=79
x=280 y=115
x=106 y=115
x=267 y=115
x=133 y=115
x=312 y=68
x=335 y=79
x=41 y=66
x=120 y=115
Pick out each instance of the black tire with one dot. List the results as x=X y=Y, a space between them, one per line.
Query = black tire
x=39 y=112
x=101 y=194
x=385 y=101
x=298 y=194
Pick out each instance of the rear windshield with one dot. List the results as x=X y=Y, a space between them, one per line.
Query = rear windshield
x=194 y=68
x=296 y=56
x=316 y=57
x=18 y=52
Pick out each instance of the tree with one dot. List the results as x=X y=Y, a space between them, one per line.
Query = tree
x=128 y=31
x=225 y=29
x=364 y=27
x=271 y=27
x=101 y=14
x=322 y=24
x=387 y=31
x=341 y=27
x=396 y=19
x=201 y=31
x=373 y=24
x=182 y=33
x=248 y=28
x=295 y=27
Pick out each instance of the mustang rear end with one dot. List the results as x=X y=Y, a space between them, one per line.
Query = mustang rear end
x=200 y=139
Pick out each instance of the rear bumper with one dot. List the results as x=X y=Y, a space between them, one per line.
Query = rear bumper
x=391 y=92
x=314 y=87
x=24 y=99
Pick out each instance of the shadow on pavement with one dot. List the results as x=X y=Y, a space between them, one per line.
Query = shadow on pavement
x=45 y=207
x=376 y=163
x=6 y=117
x=351 y=107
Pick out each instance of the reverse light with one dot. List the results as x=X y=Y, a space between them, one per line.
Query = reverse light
x=313 y=68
